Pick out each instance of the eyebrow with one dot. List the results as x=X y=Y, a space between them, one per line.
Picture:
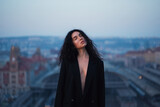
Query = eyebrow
x=76 y=35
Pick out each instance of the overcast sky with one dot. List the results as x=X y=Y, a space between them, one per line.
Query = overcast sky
x=103 y=18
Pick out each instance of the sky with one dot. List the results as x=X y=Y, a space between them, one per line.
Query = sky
x=97 y=18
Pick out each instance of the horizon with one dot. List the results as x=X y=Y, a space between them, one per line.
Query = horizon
x=97 y=37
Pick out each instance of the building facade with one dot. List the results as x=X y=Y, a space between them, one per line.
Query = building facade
x=13 y=76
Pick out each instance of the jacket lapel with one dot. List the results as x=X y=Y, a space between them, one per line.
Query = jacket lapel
x=77 y=79
x=88 y=77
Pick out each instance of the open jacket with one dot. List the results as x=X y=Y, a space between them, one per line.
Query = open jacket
x=69 y=89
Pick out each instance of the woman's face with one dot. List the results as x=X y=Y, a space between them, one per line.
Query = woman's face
x=78 y=40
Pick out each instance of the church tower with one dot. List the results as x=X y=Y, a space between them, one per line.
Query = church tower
x=14 y=56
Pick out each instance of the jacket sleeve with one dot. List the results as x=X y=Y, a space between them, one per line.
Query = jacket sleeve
x=60 y=86
x=101 y=86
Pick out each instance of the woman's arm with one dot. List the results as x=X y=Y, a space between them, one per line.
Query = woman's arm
x=60 y=86
x=101 y=85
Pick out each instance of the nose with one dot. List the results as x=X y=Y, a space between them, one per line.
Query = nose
x=80 y=37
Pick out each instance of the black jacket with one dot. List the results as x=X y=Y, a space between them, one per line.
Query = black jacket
x=69 y=91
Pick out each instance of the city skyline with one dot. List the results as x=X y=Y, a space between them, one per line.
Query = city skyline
x=103 y=18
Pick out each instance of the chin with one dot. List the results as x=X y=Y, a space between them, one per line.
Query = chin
x=84 y=46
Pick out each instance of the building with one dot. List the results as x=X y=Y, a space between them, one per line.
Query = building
x=134 y=59
x=13 y=76
x=149 y=56
x=157 y=55
x=140 y=58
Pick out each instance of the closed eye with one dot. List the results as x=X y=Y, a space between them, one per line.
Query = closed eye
x=75 y=38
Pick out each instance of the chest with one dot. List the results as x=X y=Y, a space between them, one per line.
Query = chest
x=83 y=65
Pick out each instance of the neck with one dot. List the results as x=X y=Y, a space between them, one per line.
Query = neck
x=82 y=53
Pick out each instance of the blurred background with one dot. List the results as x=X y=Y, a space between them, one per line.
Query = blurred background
x=126 y=33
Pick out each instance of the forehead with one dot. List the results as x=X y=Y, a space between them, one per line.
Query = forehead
x=76 y=33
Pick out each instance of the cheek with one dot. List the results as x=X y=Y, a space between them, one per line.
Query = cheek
x=75 y=43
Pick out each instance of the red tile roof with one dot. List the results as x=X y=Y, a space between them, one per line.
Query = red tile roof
x=25 y=63
x=157 y=49
x=36 y=58
x=5 y=67
x=41 y=67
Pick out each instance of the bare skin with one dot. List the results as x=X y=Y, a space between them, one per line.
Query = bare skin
x=83 y=57
x=83 y=60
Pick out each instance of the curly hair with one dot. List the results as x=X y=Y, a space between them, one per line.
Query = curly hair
x=70 y=53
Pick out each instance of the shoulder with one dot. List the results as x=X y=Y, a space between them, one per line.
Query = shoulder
x=101 y=63
x=67 y=62
x=97 y=60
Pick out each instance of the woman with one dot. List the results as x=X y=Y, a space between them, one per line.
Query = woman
x=81 y=80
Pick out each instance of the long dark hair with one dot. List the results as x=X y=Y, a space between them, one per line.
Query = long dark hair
x=70 y=53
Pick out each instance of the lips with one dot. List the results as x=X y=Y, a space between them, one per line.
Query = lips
x=82 y=42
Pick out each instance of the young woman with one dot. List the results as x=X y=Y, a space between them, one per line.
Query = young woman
x=81 y=80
